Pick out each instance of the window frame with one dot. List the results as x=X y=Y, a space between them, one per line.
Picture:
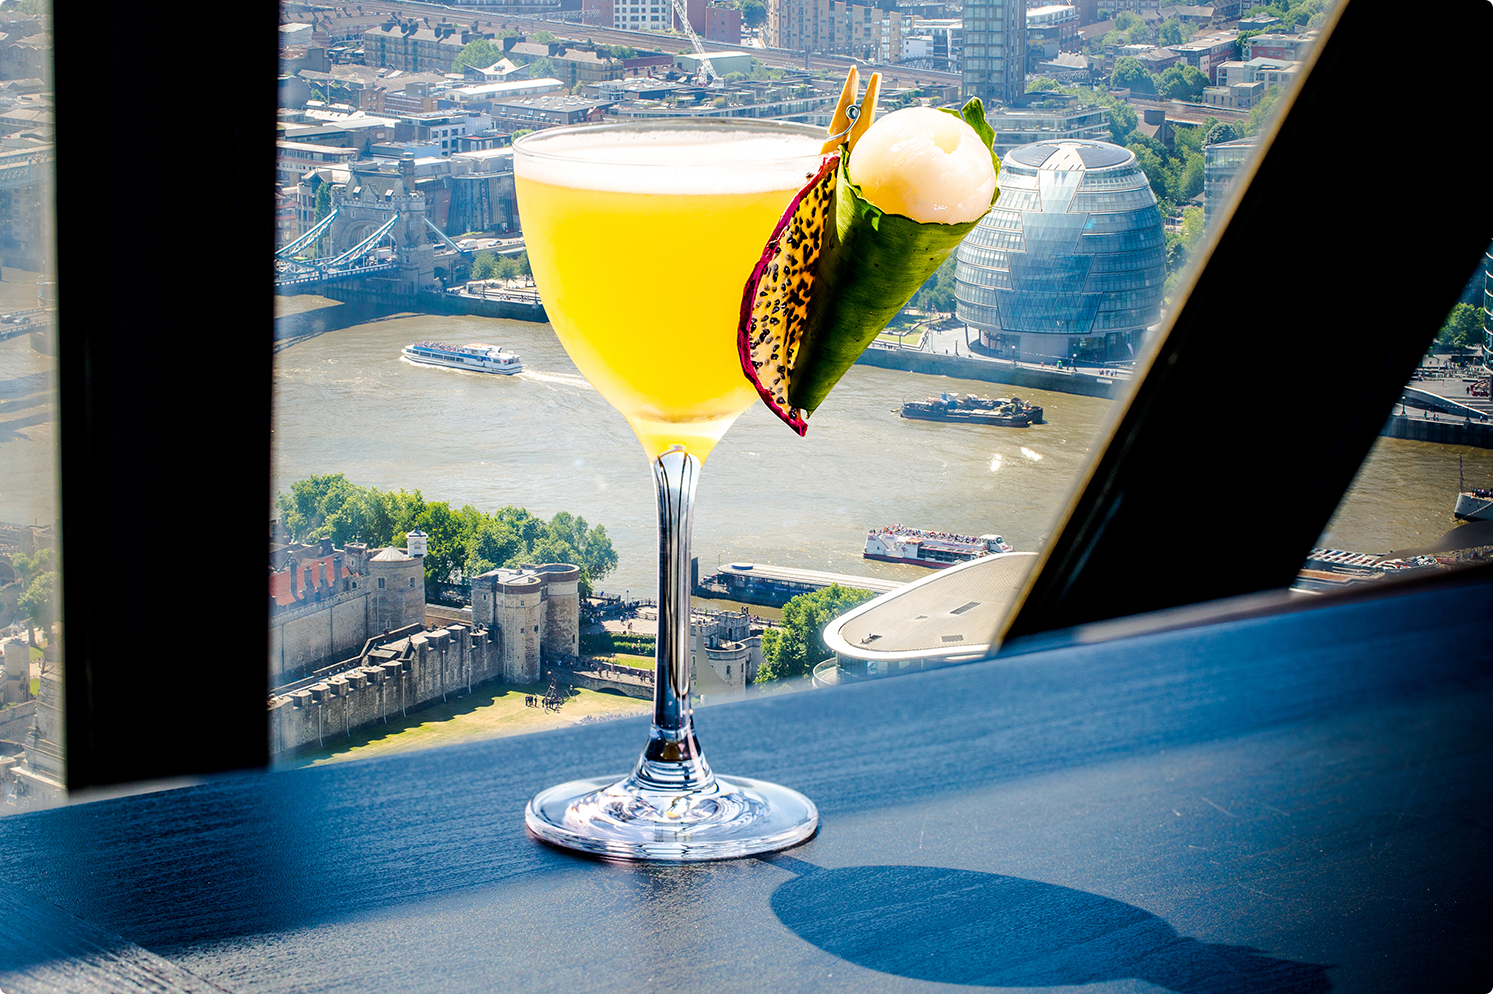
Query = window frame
x=154 y=344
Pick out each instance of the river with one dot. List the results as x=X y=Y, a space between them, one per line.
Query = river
x=545 y=440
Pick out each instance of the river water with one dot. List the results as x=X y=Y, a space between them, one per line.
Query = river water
x=545 y=440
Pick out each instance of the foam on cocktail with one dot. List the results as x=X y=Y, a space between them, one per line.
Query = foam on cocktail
x=657 y=162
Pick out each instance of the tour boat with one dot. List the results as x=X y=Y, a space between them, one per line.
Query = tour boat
x=972 y=409
x=470 y=357
x=1473 y=505
x=918 y=547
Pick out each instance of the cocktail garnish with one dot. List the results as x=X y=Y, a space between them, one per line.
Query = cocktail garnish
x=858 y=241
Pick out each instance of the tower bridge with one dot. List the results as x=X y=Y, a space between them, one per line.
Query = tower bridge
x=378 y=229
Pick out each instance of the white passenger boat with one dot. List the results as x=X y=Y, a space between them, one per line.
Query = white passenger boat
x=919 y=547
x=469 y=357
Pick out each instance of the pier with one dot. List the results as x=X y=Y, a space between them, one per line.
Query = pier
x=773 y=586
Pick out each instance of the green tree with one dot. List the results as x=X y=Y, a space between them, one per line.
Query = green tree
x=753 y=13
x=1262 y=110
x=1171 y=32
x=1464 y=327
x=1125 y=20
x=1041 y=83
x=544 y=37
x=483 y=266
x=480 y=52
x=1190 y=181
x=38 y=604
x=937 y=292
x=1131 y=74
x=540 y=68
x=1192 y=228
x=28 y=569
x=322 y=202
x=622 y=51
x=1139 y=34
x=523 y=264
x=505 y=268
x=1183 y=83
x=461 y=543
x=796 y=646
x=1220 y=132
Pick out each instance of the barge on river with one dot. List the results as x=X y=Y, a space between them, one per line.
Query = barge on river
x=972 y=409
x=485 y=358
x=918 y=547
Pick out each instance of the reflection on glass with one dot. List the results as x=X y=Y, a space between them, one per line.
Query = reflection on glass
x=32 y=765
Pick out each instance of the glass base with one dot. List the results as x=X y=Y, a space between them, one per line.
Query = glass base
x=619 y=817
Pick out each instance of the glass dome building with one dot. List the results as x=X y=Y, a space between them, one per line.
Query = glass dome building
x=1072 y=259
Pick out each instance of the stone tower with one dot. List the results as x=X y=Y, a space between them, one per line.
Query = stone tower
x=560 y=597
x=511 y=602
x=399 y=595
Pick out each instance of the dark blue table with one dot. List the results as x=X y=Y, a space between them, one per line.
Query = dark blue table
x=1298 y=802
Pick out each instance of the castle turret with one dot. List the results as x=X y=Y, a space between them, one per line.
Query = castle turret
x=560 y=595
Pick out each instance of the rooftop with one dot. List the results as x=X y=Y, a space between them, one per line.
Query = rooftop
x=1071 y=154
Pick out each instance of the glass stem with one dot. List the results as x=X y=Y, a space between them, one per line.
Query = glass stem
x=672 y=759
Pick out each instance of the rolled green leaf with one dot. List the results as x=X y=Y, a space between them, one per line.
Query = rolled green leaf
x=871 y=264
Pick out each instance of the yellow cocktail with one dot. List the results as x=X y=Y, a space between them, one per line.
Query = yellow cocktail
x=641 y=244
x=641 y=238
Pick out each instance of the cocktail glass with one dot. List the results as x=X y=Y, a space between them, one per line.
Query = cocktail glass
x=641 y=238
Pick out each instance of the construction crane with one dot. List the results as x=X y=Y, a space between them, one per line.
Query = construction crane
x=706 y=77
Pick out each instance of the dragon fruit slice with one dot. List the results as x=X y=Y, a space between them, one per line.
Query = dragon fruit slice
x=839 y=266
x=773 y=311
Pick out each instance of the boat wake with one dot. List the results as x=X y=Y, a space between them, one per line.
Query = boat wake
x=559 y=378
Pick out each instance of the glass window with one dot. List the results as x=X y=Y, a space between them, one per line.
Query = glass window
x=32 y=746
x=1049 y=301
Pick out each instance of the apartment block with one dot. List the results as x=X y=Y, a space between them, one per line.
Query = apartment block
x=834 y=27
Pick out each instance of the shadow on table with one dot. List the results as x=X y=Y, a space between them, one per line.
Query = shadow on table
x=970 y=928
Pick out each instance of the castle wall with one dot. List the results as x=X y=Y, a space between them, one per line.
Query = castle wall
x=407 y=676
x=308 y=638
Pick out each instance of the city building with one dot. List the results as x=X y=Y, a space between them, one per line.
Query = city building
x=723 y=23
x=696 y=14
x=544 y=112
x=1068 y=68
x=938 y=41
x=1291 y=48
x=568 y=63
x=723 y=62
x=1237 y=95
x=1272 y=71
x=1221 y=164
x=293 y=159
x=994 y=67
x=1015 y=128
x=424 y=50
x=483 y=95
x=1208 y=51
x=833 y=27
x=1071 y=261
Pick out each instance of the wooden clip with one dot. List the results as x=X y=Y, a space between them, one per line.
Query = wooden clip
x=867 y=108
x=839 y=126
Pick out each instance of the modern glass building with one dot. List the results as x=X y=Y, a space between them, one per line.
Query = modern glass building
x=1071 y=261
